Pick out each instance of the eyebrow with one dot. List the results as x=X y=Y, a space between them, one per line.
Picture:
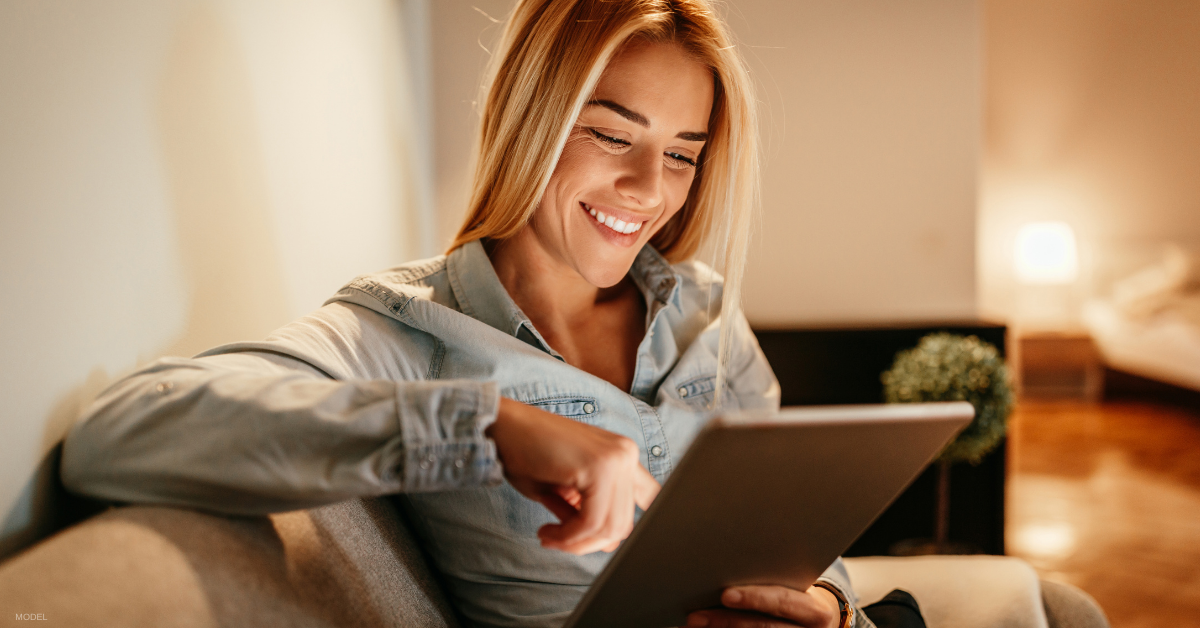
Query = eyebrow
x=643 y=121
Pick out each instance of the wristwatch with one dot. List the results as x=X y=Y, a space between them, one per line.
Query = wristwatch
x=847 y=611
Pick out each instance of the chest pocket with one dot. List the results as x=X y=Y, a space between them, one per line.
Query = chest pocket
x=583 y=409
x=698 y=392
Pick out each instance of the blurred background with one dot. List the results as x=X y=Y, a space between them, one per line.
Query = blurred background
x=184 y=173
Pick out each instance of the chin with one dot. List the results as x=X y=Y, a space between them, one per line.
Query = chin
x=606 y=271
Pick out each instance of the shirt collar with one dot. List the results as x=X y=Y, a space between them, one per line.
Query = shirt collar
x=482 y=297
x=479 y=291
x=655 y=277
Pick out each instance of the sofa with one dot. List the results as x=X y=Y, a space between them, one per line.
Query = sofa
x=356 y=564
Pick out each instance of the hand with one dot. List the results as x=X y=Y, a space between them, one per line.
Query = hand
x=588 y=477
x=756 y=606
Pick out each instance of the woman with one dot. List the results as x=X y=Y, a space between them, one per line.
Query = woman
x=556 y=337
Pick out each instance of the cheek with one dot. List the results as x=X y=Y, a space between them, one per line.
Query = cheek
x=580 y=164
x=676 y=192
x=564 y=183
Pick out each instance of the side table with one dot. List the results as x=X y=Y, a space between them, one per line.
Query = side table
x=1058 y=363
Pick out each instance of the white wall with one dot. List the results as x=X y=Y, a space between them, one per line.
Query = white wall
x=871 y=128
x=1093 y=118
x=180 y=174
x=872 y=135
x=462 y=33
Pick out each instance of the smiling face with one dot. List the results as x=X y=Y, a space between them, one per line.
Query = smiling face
x=628 y=163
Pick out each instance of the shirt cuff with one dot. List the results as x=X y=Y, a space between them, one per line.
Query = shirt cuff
x=843 y=591
x=444 y=443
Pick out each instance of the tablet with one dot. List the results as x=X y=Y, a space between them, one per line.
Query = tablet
x=764 y=499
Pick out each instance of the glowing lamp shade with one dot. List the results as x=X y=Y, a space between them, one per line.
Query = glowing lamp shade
x=1045 y=253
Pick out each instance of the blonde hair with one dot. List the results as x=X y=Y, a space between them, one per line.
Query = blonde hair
x=547 y=65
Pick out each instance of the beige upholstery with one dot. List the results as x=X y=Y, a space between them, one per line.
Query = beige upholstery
x=1068 y=607
x=975 y=592
x=354 y=564
x=956 y=591
x=351 y=564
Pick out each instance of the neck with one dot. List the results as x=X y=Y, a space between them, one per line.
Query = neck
x=547 y=289
x=594 y=329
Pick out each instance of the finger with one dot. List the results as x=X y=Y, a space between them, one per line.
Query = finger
x=577 y=534
x=547 y=495
x=623 y=507
x=558 y=506
x=594 y=507
x=724 y=618
x=609 y=531
x=778 y=601
x=645 y=487
x=570 y=494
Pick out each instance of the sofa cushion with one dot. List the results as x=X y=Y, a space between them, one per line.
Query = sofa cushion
x=956 y=591
x=349 y=564
x=976 y=592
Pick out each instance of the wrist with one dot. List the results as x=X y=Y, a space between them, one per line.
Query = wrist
x=843 y=611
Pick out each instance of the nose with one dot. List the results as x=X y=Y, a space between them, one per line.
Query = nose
x=641 y=179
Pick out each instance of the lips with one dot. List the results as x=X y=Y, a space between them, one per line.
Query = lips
x=612 y=222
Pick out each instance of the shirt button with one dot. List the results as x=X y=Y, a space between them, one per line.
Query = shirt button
x=588 y=408
x=458 y=464
x=164 y=387
x=656 y=450
x=427 y=463
x=682 y=391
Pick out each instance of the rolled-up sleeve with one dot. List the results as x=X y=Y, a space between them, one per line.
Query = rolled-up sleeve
x=261 y=429
x=837 y=577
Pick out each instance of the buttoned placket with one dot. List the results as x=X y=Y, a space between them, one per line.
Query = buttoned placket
x=659 y=286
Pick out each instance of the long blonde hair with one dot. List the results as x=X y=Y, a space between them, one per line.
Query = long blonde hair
x=547 y=65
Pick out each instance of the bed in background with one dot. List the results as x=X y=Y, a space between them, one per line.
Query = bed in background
x=1150 y=325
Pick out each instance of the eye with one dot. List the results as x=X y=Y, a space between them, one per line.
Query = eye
x=681 y=161
x=612 y=142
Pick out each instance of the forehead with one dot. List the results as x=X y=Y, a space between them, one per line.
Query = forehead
x=662 y=82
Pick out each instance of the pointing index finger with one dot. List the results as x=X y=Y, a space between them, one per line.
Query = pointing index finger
x=645 y=488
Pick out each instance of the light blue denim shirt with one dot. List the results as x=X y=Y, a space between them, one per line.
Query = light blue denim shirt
x=388 y=389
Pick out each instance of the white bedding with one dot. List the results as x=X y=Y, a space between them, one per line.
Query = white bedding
x=1164 y=345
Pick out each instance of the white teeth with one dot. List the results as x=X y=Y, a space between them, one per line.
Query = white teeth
x=620 y=226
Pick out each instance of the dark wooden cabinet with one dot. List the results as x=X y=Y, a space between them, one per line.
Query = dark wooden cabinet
x=842 y=366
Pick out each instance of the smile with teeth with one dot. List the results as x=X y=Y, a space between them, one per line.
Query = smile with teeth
x=620 y=226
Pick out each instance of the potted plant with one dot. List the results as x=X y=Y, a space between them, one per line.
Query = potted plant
x=950 y=367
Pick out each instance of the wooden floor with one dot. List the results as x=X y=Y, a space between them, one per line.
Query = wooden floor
x=1107 y=497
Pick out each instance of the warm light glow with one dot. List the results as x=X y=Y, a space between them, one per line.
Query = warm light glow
x=1045 y=253
x=1045 y=540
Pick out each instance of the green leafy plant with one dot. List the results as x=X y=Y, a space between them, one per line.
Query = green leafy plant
x=950 y=367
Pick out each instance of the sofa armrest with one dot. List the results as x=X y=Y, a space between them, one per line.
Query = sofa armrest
x=975 y=592
x=350 y=564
